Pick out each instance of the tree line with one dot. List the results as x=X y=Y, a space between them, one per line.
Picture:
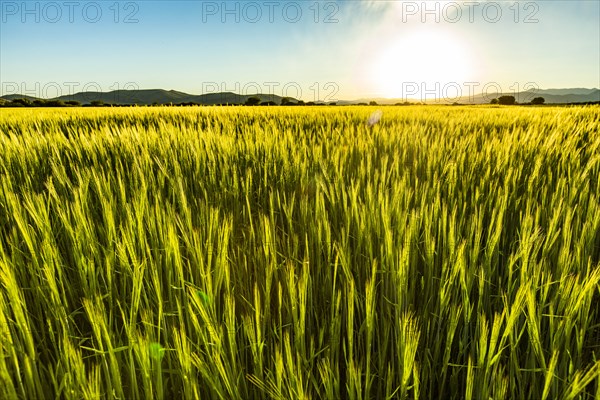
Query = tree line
x=251 y=101
x=510 y=100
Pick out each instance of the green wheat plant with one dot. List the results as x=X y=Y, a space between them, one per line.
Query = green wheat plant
x=300 y=253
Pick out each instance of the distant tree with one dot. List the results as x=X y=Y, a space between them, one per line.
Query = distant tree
x=21 y=102
x=538 y=100
x=310 y=103
x=55 y=103
x=300 y=102
x=253 y=101
x=372 y=103
x=506 y=100
x=268 y=103
x=286 y=101
x=362 y=104
x=494 y=101
x=73 y=103
x=39 y=103
x=97 y=103
x=333 y=103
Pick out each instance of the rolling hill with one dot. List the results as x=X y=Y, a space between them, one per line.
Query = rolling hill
x=160 y=96
x=552 y=96
x=155 y=96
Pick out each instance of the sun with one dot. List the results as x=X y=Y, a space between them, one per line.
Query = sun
x=432 y=60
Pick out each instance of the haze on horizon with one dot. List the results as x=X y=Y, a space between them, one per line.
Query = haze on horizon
x=314 y=50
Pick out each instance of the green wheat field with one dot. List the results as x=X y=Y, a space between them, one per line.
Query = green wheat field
x=300 y=253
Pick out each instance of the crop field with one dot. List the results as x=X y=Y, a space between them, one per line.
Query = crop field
x=300 y=253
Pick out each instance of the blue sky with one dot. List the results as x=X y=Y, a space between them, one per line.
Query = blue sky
x=325 y=50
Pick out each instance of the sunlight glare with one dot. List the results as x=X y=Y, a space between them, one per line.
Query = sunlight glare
x=423 y=57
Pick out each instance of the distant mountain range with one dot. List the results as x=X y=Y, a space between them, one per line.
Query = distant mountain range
x=160 y=96
x=152 y=96
x=551 y=96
